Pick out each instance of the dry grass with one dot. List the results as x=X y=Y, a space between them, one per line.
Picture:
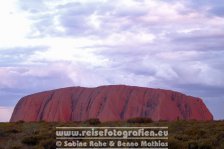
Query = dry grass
x=182 y=134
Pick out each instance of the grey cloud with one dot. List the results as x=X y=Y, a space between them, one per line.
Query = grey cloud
x=109 y=8
x=78 y=8
x=138 y=68
x=201 y=3
x=212 y=96
x=132 y=65
x=203 y=42
x=27 y=80
x=215 y=106
x=182 y=71
x=199 y=37
x=74 y=18
x=215 y=6
x=45 y=25
x=22 y=50
x=206 y=7
x=16 y=56
x=32 y=6
x=141 y=64
x=75 y=24
x=10 y=96
x=218 y=10
x=130 y=13
x=202 y=90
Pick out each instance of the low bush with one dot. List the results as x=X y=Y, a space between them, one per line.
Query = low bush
x=139 y=120
x=16 y=147
x=208 y=143
x=13 y=144
x=93 y=121
x=20 y=121
x=13 y=130
x=175 y=144
x=31 y=141
x=182 y=137
x=220 y=137
x=2 y=134
x=205 y=146
x=49 y=144
x=192 y=145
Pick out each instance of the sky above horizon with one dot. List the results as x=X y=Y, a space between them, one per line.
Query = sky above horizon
x=168 y=44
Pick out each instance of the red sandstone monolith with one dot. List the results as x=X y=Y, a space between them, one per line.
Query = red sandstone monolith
x=109 y=103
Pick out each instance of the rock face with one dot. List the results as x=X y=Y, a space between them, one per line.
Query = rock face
x=109 y=103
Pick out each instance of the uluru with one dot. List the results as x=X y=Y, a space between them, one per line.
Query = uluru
x=109 y=103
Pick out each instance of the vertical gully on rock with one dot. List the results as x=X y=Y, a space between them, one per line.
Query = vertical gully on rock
x=75 y=99
x=126 y=104
x=40 y=115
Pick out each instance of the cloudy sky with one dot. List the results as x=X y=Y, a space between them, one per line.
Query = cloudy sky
x=169 y=44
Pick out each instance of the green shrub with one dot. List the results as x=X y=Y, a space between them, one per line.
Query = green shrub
x=139 y=120
x=93 y=121
x=31 y=141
